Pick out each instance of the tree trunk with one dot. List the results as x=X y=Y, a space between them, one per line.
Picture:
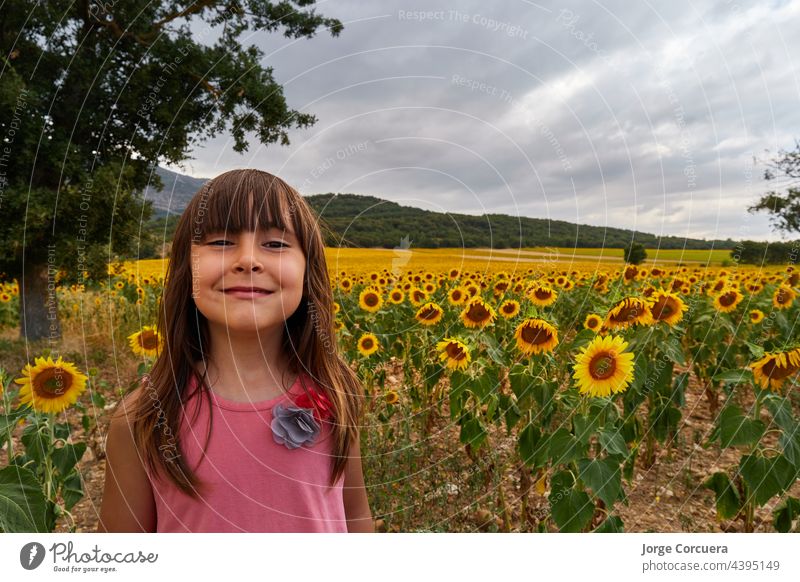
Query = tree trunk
x=38 y=306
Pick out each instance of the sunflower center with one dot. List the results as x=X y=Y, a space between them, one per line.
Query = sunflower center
x=52 y=383
x=455 y=352
x=456 y=295
x=663 y=308
x=429 y=313
x=508 y=308
x=775 y=371
x=148 y=340
x=366 y=343
x=602 y=366
x=542 y=294
x=594 y=322
x=371 y=300
x=782 y=297
x=478 y=313
x=727 y=299
x=628 y=313
x=535 y=335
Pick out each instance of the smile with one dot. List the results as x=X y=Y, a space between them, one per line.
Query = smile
x=247 y=293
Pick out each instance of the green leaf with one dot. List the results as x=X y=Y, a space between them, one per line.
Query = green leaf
x=582 y=338
x=729 y=502
x=473 y=433
x=766 y=477
x=611 y=525
x=65 y=458
x=532 y=447
x=603 y=477
x=585 y=427
x=737 y=429
x=785 y=514
x=664 y=420
x=734 y=377
x=612 y=442
x=571 y=510
x=757 y=352
x=72 y=492
x=22 y=503
x=673 y=349
x=564 y=447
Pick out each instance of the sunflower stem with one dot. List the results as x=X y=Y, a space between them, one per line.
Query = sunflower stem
x=48 y=458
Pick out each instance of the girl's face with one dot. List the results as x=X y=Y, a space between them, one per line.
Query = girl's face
x=250 y=281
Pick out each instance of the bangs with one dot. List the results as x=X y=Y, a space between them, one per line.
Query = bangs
x=236 y=202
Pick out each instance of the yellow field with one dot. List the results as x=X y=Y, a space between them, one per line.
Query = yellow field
x=482 y=260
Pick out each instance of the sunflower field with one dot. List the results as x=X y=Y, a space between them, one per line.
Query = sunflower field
x=570 y=398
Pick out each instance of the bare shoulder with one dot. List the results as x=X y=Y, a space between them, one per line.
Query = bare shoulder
x=128 y=502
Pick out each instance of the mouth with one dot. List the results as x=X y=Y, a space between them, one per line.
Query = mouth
x=247 y=292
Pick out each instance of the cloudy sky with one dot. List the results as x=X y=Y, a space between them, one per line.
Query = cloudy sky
x=638 y=115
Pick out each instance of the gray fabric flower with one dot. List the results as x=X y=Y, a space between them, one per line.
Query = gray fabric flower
x=293 y=426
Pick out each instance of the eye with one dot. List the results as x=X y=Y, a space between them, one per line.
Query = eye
x=219 y=242
x=278 y=244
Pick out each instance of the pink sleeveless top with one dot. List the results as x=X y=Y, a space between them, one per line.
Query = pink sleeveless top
x=253 y=484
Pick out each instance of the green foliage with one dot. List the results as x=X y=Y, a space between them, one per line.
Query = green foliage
x=88 y=110
x=750 y=252
x=783 y=208
x=634 y=253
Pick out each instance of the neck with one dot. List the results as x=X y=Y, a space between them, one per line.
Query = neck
x=239 y=362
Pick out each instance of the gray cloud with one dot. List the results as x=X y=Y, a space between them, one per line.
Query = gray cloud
x=618 y=114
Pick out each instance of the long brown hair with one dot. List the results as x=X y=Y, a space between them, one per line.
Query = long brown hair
x=236 y=201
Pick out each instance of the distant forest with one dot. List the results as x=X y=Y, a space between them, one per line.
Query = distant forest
x=351 y=220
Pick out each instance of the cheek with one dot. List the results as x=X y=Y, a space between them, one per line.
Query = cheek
x=291 y=275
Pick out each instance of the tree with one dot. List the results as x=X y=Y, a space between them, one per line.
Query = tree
x=784 y=172
x=94 y=94
x=635 y=253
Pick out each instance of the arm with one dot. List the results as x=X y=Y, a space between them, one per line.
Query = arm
x=356 y=505
x=128 y=502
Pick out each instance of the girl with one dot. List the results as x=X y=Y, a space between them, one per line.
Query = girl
x=249 y=418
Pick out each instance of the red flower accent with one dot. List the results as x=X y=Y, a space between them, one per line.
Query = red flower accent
x=318 y=401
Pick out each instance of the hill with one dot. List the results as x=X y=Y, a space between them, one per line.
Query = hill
x=367 y=221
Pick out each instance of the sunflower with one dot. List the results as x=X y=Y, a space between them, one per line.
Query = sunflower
x=50 y=386
x=119 y=285
x=602 y=368
x=367 y=344
x=396 y=296
x=667 y=307
x=728 y=300
x=771 y=370
x=542 y=295
x=336 y=307
x=338 y=325
x=454 y=274
x=593 y=322
x=756 y=316
x=370 y=300
x=478 y=313
x=784 y=297
x=417 y=296
x=146 y=342
x=346 y=285
x=391 y=397
x=457 y=296
x=454 y=352
x=429 y=314
x=509 y=308
x=535 y=336
x=5 y=297
x=629 y=312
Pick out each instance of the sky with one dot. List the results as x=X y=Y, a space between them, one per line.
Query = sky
x=656 y=117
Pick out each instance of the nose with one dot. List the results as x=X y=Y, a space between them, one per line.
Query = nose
x=247 y=259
